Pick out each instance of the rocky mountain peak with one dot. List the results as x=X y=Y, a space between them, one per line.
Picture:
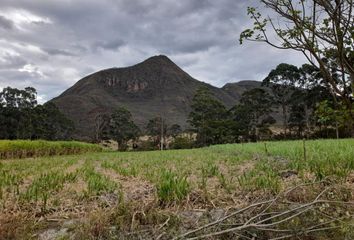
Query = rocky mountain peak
x=151 y=73
x=154 y=87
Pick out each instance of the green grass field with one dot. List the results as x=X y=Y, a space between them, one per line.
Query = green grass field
x=40 y=148
x=150 y=195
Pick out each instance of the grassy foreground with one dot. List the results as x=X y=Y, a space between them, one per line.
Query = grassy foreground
x=39 y=148
x=291 y=188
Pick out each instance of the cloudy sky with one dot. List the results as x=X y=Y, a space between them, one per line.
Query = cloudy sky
x=51 y=44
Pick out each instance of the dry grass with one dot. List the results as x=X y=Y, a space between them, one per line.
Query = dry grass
x=112 y=193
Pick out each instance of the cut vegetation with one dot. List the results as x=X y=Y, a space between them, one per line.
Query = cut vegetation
x=272 y=190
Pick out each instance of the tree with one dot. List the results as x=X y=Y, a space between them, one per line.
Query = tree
x=22 y=118
x=252 y=114
x=241 y=125
x=297 y=119
x=101 y=125
x=16 y=111
x=331 y=117
x=154 y=126
x=9 y=123
x=321 y=30
x=208 y=118
x=313 y=91
x=51 y=124
x=16 y=98
x=174 y=130
x=122 y=127
x=157 y=129
x=282 y=81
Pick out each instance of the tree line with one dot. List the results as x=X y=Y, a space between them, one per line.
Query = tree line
x=119 y=126
x=292 y=102
x=299 y=96
x=21 y=117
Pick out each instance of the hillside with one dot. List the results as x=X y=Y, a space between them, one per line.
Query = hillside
x=154 y=87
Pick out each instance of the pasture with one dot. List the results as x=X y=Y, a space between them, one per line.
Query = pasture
x=266 y=190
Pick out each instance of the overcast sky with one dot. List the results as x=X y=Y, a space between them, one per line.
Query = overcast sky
x=51 y=44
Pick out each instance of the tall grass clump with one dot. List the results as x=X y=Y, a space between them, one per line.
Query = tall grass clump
x=171 y=187
x=38 y=148
x=263 y=177
x=44 y=186
x=97 y=183
x=9 y=183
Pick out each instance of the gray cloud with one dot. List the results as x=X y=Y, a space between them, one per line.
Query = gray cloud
x=109 y=45
x=9 y=61
x=6 y=23
x=59 y=42
x=54 y=51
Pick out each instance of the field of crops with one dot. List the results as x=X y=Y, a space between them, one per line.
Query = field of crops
x=40 y=148
x=273 y=190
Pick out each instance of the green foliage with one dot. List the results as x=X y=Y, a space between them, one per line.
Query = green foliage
x=147 y=145
x=202 y=177
x=50 y=124
x=252 y=114
x=37 y=148
x=297 y=119
x=174 y=130
x=329 y=116
x=153 y=127
x=182 y=143
x=282 y=81
x=322 y=31
x=263 y=176
x=122 y=127
x=171 y=187
x=96 y=182
x=208 y=118
x=9 y=182
x=15 y=98
x=43 y=187
x=122 y=170
x=22 y=118
x=210 y=170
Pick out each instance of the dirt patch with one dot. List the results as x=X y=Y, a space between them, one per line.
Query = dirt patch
x=133 y=188
x=244 y=167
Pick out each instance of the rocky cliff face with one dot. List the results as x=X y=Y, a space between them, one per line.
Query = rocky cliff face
x=155 y=87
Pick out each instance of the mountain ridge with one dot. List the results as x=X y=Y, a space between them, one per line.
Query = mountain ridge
x=154 y=87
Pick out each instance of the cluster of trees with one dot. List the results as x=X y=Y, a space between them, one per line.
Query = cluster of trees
x=214 y=124
x=21 y=117
x=299 y=96
x=323 y=32
x=120 y=127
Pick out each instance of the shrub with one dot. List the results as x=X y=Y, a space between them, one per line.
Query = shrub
x=148 y=145
x=182 y=143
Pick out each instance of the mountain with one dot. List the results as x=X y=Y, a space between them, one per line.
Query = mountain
x=155 y=87
x=236 y=89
